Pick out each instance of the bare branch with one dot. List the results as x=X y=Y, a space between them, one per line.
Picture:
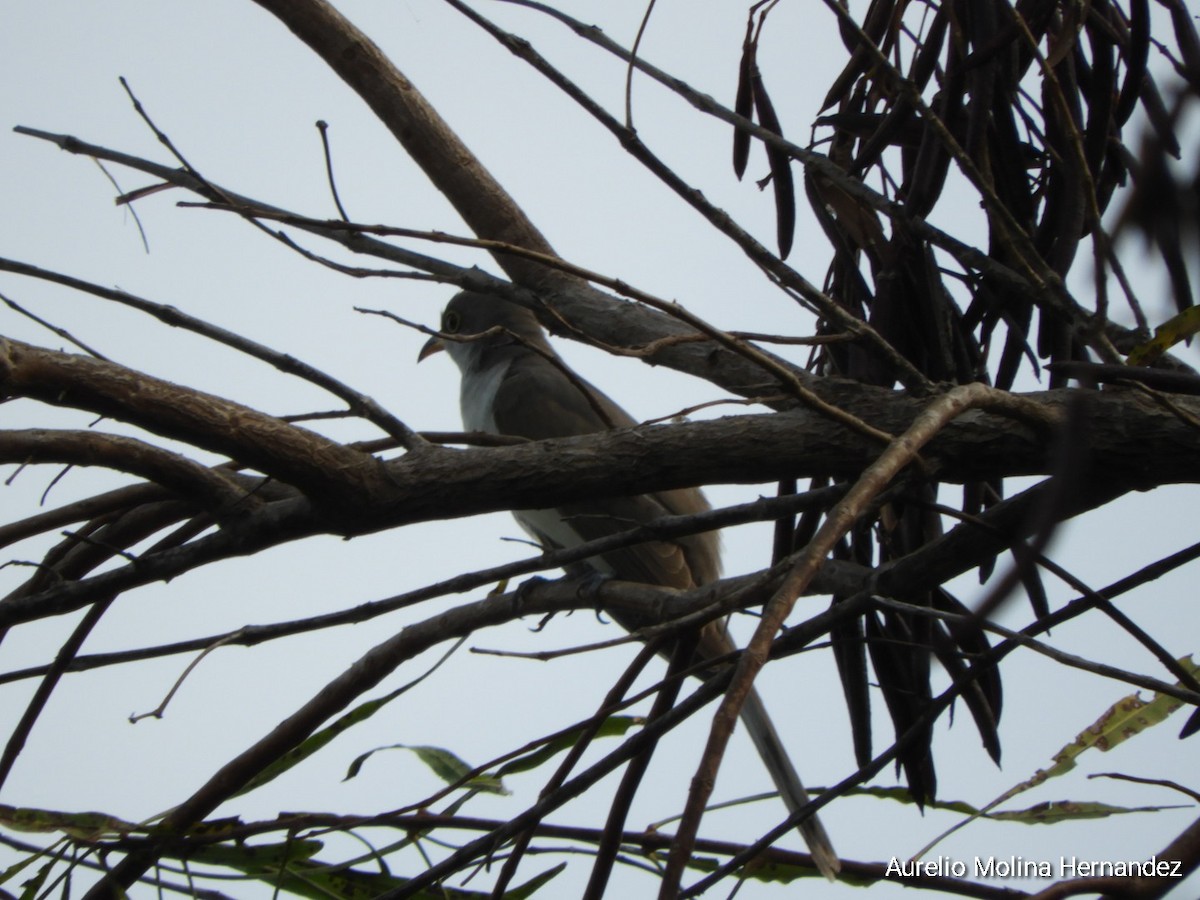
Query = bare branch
x=300 y=457
x=212 y=489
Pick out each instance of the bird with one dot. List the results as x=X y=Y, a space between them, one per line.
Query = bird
x=514 y=383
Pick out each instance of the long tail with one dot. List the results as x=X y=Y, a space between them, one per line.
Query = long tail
x=716 y=641
x=783 y=773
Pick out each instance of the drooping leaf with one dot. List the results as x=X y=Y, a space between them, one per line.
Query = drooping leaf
x=1125 y=719
x=88 y=826
x=447 y=766
x=534 y=884
x=1176 y=329
x=316 y=741
x=1136 y=56
x=323 y=881
x=18 y=867
x=251 y=858
x=33 y=887
x=744 y=102
x=781 y=169
x=1054 y=811
x=613 y=726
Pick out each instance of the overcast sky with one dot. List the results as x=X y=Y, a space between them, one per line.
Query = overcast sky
x=239 y=95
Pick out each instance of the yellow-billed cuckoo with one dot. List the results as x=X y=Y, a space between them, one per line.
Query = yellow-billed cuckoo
x=514 y=383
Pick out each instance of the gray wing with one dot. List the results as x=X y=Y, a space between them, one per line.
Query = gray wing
x=537 y=400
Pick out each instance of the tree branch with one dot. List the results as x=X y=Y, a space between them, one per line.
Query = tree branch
x=315 y=464
x=211 y=488
x=459 y=175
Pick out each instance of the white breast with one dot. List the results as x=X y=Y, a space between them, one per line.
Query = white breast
x=477 y=400
x=478 y=395
x=547 y=524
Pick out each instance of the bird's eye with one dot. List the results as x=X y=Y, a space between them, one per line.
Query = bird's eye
x=451 y=322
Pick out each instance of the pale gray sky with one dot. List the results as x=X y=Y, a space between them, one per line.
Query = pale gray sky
x=239 y=96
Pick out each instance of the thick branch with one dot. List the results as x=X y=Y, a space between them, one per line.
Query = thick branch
x=594 y=316
x=359 y=403
x=210 y=487
x=372 y=668
x=304 y=458
x=1133 y=444
x=484 y=205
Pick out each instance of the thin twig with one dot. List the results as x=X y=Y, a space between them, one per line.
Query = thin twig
x=323 y=128
x=789 y=379
x=1059 y=656
x=803 y=566
x=612 y=701
x=176 y=318
x=157 y=712
x=55 y=329
x=769 y=262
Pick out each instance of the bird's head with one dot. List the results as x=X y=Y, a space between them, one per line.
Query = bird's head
x=476 y=324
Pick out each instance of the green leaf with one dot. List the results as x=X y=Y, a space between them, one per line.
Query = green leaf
x=331 y=882
x=1046 y=813
x=33 y=886
x=18 y=867
x=1126 y=718
x=88 y=826
x=767 y=871
x=316 y=741
x=323 y=881
x=251 y=858
x=1129 y=716
x=534 y=884
x=1167 y=335
x=446 y=765
x=1054 y=811
x=613 y=726
x=1042 y=814
x=451 y=768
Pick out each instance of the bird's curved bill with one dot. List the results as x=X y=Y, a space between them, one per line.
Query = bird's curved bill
x=434 y=345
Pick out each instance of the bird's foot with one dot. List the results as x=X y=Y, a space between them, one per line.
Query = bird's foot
x=522 y=593
x=587 y=587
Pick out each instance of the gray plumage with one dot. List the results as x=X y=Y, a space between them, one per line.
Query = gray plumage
x=513 y=383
